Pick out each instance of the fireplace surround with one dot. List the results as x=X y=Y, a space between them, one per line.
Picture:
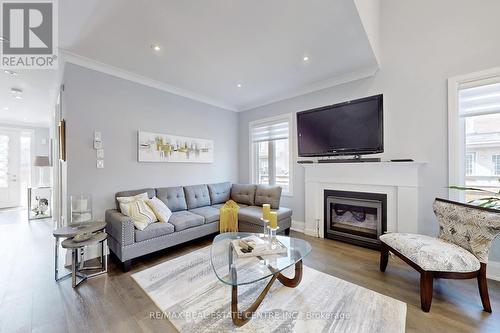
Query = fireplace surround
x=355 y=217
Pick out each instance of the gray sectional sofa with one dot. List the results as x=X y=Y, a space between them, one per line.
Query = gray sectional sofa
x=195 y=214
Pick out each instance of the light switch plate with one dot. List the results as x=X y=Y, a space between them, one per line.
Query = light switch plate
x=97 y=136
x=97 y=144
x=100 y=153
x=100 y=164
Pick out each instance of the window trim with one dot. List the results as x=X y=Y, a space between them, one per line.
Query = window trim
x=456 y=141
x=291 y=146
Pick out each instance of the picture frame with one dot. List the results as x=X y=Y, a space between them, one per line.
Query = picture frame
x=62 y=140
x=39 y=203
x=155 y=147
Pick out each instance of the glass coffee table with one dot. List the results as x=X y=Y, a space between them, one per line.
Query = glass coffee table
x=235 y=271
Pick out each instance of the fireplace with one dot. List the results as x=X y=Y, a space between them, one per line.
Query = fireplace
x=355 y=217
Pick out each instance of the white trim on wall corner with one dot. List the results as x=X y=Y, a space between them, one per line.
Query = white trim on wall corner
x=126 y=75
x=493 y=270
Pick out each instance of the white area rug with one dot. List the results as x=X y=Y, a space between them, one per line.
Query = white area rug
x=189 y=294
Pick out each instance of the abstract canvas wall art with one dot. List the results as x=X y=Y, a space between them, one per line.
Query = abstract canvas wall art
x=154 y=147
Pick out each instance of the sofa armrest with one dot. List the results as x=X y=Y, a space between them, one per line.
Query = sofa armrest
x=120 y=227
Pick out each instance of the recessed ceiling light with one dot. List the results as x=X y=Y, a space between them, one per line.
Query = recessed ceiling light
x=6 y=108
x=16 y=91
x=239 y=85
x=156 y=47
x=24 y=118
x=9 y=72
x=18 y=97
x=306 y=59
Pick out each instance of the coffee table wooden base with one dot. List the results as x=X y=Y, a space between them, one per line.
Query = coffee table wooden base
x=240 y=318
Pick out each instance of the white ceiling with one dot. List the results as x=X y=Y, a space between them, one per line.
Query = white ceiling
x=208 y=47
x=38 y=98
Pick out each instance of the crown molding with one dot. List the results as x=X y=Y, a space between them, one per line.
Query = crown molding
x=316 y=86
x=69 y=57
x=126 y=75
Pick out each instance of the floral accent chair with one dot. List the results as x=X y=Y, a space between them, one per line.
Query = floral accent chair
x=459 y=252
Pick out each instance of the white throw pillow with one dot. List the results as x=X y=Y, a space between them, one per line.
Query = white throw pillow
x=141 y=214
x=161 y=210
x=124 y=202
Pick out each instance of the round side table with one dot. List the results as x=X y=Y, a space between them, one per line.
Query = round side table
x=71 y=244
x=70 y=232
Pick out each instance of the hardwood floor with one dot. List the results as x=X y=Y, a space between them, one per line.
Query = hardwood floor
x=30 y=299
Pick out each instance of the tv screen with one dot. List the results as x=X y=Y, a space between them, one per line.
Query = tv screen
x=349 y=128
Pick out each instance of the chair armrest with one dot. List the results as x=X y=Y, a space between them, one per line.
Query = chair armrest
x=120 y=227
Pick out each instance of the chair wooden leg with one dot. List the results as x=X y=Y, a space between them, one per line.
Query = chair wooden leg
x=426 y=289
x=483 y=288
x=384 y=257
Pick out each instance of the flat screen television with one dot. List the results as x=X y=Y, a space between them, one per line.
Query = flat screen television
x=349 y=128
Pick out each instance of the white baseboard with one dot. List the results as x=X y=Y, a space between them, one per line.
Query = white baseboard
x=298 y=226
x=493 y=270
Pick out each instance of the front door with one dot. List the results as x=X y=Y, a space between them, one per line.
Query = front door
x=9 y=169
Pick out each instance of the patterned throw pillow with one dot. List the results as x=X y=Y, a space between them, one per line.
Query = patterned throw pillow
x=125 y=202
x=161 y=210
x=141 y=214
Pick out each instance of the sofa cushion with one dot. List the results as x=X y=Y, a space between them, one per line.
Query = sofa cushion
x=150 y=191
x=161 y=210
x=252 y=214
x=126 y=202
x=197 y=196
x=219 y=206
x=210 y=214
x=173 y=197
x=266 y=194
x=154 y=230
x=184 y=220
x=142 y=215
x=219 y=192
x=243 y=193
x=432 y=254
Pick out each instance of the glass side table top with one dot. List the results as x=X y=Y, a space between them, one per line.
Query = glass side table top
x=252 y=269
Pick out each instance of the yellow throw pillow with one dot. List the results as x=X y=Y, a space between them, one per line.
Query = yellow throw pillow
x=124 y=202
x=141 y=214
x=161 y=210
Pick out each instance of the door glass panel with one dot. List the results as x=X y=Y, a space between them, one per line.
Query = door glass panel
x=4 y=161
x=25 y=170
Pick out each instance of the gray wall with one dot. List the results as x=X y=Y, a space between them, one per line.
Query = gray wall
x=94 y=101
x=423 y=43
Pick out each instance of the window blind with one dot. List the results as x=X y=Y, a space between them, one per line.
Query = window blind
x=270 y=131
x=479 y=100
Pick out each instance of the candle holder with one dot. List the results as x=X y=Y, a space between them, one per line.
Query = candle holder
x=266 y=223
x=272 y=237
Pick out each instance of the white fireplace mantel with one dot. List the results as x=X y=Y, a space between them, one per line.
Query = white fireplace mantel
x=398 y=180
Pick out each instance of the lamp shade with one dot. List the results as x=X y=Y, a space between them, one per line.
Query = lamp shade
x=41 y=161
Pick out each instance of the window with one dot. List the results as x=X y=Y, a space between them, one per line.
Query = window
x=270 y=152
x=496 y=164
x=474 y=129
x=470 y=160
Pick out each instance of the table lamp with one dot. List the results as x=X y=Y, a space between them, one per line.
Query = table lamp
x=41 y=162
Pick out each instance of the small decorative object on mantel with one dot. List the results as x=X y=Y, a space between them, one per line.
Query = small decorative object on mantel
x=39 y=203
x=154 y=147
